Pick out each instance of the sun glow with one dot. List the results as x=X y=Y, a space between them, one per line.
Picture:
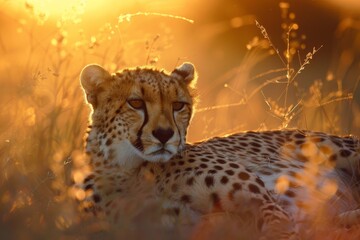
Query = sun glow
x=74 y=9
x=246 y=82
x=45 y=9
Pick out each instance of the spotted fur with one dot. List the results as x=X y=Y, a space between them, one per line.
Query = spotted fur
x=137 y=151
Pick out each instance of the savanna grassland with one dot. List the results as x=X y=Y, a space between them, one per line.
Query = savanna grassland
x=270 y=65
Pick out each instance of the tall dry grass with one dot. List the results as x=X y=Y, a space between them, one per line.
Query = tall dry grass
x=44 y=116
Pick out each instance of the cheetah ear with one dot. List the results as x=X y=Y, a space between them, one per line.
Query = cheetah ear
x=92 y=76
x=187 y=73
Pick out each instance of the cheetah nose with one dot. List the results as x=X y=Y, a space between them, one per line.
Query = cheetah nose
x=163 y=135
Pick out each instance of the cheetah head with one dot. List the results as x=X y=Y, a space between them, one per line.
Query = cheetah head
x=139 y=114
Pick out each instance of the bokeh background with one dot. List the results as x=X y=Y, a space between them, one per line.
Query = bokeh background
x=298 y=67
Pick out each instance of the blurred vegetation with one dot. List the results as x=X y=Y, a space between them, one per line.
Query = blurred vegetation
x=253 y=75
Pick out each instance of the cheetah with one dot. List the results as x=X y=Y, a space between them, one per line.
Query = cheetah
x=136 y=145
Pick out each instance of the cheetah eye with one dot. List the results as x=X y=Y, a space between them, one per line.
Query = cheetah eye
x=177 y=106
x=136 y=103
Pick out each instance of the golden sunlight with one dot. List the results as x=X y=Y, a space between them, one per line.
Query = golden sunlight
x=42 y=10
x=261 y=65
x=74 y=9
